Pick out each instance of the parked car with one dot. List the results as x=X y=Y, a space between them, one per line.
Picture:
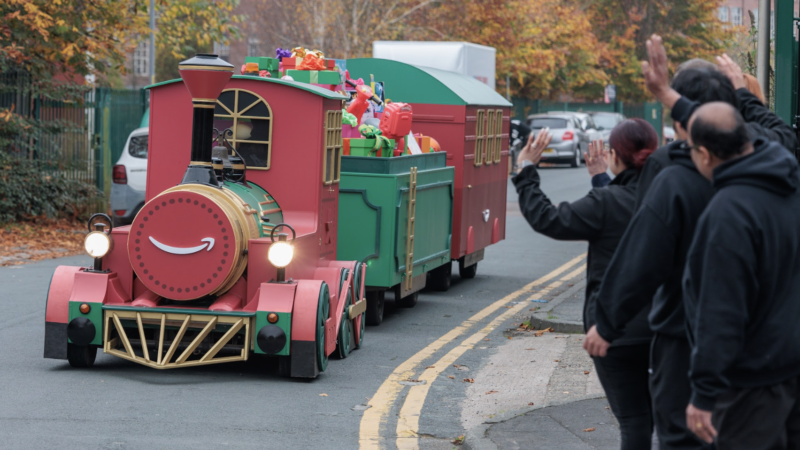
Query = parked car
x=566 y=145
x=129 y=178
x=587 y=129
x=518 y=139
x=605 y=122
x=669 y=135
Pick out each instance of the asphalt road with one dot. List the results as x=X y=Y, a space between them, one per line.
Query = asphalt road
x=121 y=405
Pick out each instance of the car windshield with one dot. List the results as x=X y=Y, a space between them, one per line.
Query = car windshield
x=548 y=122
x=607 y=122
x=138 y=146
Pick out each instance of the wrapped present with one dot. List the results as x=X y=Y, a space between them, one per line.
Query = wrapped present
x=264 y=63
x=349 y=131
x=378 y=146
x=314 y=76
x=293 y=63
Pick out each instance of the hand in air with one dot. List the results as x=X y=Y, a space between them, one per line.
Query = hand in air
x=535 y=146
x=595 y=159
x=594 y=344
x=656 y=72
x=731 y=70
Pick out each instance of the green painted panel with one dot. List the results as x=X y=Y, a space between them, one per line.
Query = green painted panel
x=394 y=165
x=417 y=84
x=253 y=195
x=284 y=322
x=373 y=217
x=322 y=92
x=95 y=315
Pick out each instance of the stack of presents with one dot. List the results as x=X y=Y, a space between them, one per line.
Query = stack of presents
x=371 y=125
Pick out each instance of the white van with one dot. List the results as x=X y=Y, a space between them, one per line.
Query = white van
x=129 y=178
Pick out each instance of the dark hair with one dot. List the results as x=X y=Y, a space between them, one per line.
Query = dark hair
x=695 y=63
x=633 y=140
x=704 y=86
x=723 y=142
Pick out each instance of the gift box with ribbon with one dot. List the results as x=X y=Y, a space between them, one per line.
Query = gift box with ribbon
x=314 y=76
x=292 y=63
x=378 y=146
x=264 y=63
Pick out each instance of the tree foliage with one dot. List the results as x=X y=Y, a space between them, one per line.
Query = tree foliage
x=689 y=29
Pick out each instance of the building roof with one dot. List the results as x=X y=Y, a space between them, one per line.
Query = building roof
x=417 y=84
x=322 y=92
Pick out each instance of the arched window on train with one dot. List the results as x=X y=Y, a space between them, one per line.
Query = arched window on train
x=250 y=118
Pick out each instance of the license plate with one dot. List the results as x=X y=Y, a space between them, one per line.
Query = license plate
x=549 y=151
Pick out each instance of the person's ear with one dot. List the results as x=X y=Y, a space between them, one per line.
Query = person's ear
x=705 y=155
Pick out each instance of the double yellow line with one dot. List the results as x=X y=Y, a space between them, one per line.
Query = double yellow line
x=408 y=421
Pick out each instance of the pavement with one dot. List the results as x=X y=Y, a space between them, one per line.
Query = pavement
x=481 y=372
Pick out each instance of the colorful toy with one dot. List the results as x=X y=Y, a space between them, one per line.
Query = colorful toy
x=471 y=122
x=396 y=124
x=218 y=266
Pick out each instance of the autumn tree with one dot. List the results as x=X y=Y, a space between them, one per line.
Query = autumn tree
x=690 y=30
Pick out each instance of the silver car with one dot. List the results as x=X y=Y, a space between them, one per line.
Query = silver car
x=605 y=122
x=129 y=178
x=565 y=146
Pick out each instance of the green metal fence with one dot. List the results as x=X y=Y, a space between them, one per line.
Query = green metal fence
x=80 y=140
x=649 y=111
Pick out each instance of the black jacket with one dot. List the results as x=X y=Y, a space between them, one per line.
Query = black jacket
x=649 y=261
x=761 y=122
x=600 y=217
x=742 y=278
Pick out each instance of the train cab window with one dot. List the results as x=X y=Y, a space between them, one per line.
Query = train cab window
x=498 y=135
x=480 y=133
x=250 y=118
x=332 y=151
x=490 y=137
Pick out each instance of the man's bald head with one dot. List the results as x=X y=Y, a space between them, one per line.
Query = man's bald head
x=695 y=63
x=720 y=128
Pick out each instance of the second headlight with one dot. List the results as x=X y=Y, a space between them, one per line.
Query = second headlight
x=280 y=254
x=97 y=244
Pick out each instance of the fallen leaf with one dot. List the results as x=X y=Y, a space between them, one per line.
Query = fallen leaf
x=469 y=380
x=491 y=392
x=589 y=430
x=566 y=392
x=507 y=307
x=431 y=367
x=458 y=441
x=530 y=403
x=510 y=338
x=323 y=395
x=457 y=366
x=529 y=348
x=487 y=339
x=586 y=372
x=451 y=377
x=556 y=360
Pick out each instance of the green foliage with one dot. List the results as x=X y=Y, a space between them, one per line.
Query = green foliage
x=27 y=193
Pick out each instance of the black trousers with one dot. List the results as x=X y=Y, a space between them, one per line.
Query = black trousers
x=623 y=374
x=670 y=390
x=765 y=418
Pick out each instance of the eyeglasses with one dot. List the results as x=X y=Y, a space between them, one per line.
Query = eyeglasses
x=686 y=146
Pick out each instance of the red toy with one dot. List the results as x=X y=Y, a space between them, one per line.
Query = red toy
x=396 y=124
x=359 y=105
x=216 y=268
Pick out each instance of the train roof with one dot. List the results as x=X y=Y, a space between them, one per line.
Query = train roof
x=322 y=92
x=418 y=84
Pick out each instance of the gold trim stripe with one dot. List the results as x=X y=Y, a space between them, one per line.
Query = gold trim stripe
x=197 y=105
x=219 y=68
x=200 y=163
x=238 y=166
x=207 y=100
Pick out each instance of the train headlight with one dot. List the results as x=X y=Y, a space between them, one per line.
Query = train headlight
x=280 y=254
x=97 y=244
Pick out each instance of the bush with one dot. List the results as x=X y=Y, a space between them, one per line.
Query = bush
x=27 y=192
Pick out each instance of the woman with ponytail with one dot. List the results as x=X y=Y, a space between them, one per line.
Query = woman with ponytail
x=601 y=218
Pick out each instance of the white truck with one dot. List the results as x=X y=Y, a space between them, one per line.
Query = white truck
x=475 y=60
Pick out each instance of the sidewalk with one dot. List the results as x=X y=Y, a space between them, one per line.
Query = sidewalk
x=541 y=392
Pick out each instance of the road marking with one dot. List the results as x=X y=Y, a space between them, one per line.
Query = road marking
x=381 y=403
x=408 y=420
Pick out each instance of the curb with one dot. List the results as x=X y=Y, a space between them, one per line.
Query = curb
x=476 y=437
x=559 y=326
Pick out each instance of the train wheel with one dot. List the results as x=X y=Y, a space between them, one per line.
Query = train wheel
x=408 y=301
x=344 y=340
x=374 y=311
x=359 y=324
x=323 y=309
x=81 y=355
x=439 y=278
x=467 y=272
x=285 y=366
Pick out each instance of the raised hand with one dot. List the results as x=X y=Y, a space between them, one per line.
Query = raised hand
x=595 y=159
x=535 y=146
x=656 y=72
x=731 y=70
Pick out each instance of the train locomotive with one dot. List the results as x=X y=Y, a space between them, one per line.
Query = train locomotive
x=234 y=252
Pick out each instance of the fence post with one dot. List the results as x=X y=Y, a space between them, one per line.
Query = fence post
x=653 y=113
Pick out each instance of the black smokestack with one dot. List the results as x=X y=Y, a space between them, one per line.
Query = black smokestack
x=205 y=76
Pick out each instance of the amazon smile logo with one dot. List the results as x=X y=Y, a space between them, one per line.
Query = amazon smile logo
x=184 y=250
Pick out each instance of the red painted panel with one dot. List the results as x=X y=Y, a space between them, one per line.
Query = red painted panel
x=304 y=313
x=117 y=259
x=59 y=293
x=274 y=297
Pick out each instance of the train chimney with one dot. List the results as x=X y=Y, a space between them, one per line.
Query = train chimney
x=205 y=76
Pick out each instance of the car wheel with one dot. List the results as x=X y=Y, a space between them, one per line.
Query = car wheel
x=576 y=161
x=374 y=311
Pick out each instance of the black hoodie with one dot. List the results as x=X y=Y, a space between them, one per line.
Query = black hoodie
x=649 y=261
x=742 y=278
x=600 y=217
